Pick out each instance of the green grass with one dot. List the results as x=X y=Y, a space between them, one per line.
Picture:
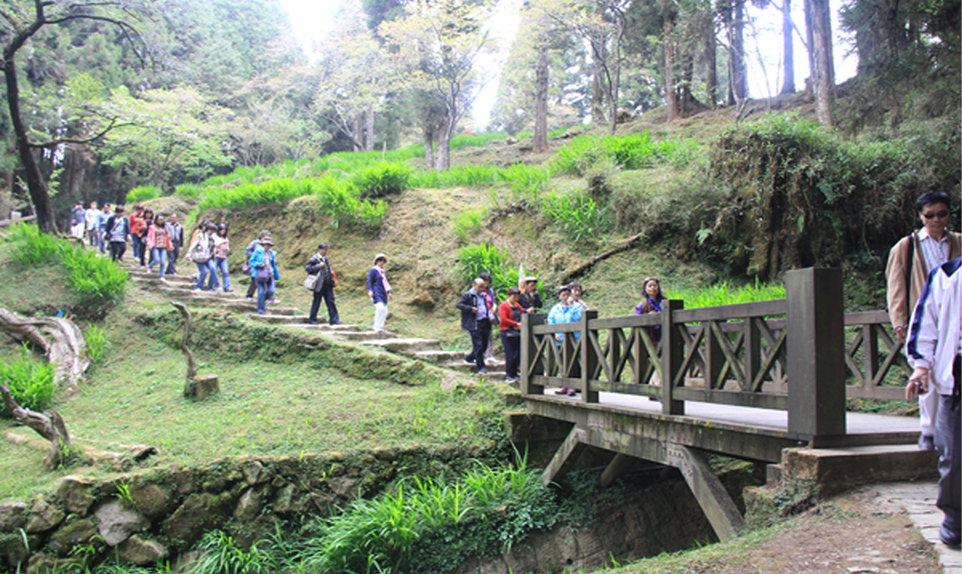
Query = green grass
x=286 y=406
x=725 y=294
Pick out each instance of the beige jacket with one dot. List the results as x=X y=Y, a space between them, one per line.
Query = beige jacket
x=902 y=296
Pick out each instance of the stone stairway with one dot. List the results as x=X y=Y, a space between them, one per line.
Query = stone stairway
x=181 y=287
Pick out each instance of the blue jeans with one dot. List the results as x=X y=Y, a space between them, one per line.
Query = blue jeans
x=158 y=255
x=264 y=292
x=220 y=264
x=202 y=271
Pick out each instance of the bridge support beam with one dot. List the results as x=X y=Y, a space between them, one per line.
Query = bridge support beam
x=708 y=490
x=566 y=456
x=618 y=467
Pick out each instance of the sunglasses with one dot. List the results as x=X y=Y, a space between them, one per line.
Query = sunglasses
x=940 y=214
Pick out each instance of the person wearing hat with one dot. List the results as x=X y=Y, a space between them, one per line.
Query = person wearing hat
x=264 y=272
x=530 y=299
x=510 y=312
x=475 y=320
x=248 y=253
x=78 y=220
x=379 y=290
x=319 y=265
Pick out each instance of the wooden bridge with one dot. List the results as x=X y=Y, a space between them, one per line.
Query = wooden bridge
x=746 y=380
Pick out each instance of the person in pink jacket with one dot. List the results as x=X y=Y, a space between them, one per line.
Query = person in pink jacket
x=158 y=242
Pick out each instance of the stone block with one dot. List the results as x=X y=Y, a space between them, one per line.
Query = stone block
x=198 y=514
x=12 y=516
x=43 y=516
x=118 y=522
x=152 y=500
x=141 y=551
x=75 y=494
x=76 y=533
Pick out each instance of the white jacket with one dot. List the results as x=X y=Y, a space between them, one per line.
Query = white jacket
x=934 y=331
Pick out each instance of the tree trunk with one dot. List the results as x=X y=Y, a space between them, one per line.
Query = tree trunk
x=442 y=160
x=541 y=101
x=598 y=56
x=39 y=195
x=428 y=134
x=810 y=38
x=711 y=76
x=357 y=131
x=740 y=77
x=369 y=142
x=671 y=98
x=824 y=73
x=788 y=49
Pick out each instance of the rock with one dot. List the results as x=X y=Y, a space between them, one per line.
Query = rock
x=43 y=517
x=43 y=564
x=12 y=516
x=16 y=554
x=424 y=300
x=289 y=502
x=140 y=551
x=198 y=514
x=152 y=501
x=182 y=479
x=75 y=493
x=118 y=522
x=250 y=505
x=344 y=487
x=76 y=533
x=254 y=472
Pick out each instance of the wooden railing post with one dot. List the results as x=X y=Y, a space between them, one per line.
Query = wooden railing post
x=530 y=364
x=589 y=358
x=816 y=352
x=671 y=357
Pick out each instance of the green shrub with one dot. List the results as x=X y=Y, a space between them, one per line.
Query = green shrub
x=577 y=215
x=222 y=555
x=143 y=193
x=30 y=247
x=190 y=190
x=30 y=382
x=96 y=279
x=468 y=223
x=432 y=525
x=526 y=183
x=475 y=259
x=96 y=340
x=634 y=151
x=725 y=294
x=382 y=179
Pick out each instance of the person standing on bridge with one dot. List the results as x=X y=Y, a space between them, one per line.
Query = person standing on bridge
x=566 y=310
x=935 y=349
x=909 y=264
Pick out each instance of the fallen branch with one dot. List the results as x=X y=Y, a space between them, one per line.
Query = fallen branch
x=49 y=425
x=585 y=267
x=64 y=348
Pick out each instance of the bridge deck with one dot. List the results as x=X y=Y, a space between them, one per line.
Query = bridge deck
x=767 y=428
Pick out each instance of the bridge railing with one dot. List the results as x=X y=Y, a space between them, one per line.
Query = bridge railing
x=734 y=354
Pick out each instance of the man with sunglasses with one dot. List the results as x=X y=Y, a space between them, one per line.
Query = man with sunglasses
x=909 y=264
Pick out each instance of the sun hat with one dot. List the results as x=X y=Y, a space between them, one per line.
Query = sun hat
x=378 y=257
x=267 y=241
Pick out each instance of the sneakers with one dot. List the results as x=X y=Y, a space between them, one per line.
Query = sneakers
x=469 y=360
x=511 y=379
x=949 y=538
x=926 y=443
x=248 y=298
x=482 y=371
x=227 y=289
x=311 y=322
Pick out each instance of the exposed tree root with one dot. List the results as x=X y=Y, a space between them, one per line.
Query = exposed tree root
x=48 y=424
x=580 y=270
x=64 y=347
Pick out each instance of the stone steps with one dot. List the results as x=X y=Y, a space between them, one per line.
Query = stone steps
x=182 y=287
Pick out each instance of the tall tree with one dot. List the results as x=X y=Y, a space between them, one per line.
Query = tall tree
x=788 y=48
x=21 y=22
x=435 y=47
x=823 y=74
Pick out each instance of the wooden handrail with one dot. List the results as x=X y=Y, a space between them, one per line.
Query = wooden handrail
x=730 y=354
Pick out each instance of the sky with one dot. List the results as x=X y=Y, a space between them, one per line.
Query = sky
x=312 y=20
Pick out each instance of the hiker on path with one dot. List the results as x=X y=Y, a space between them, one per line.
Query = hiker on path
x=136 y=224
x=264 y=272
x=320 y=265
x=176 y=232
x=201 y=252
x=475 y=319
x=530 y=299
x=91 y=217
x=105 y=214
x=221 y=249
x=379 y=290
x=492 y=302
x=249 y=252
x=935 y=350
x=566 y=310
x=909 y=264
x=158 y=241
x=78 y=221
x=509 y=312
x=145 y=252
x=117 y=231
